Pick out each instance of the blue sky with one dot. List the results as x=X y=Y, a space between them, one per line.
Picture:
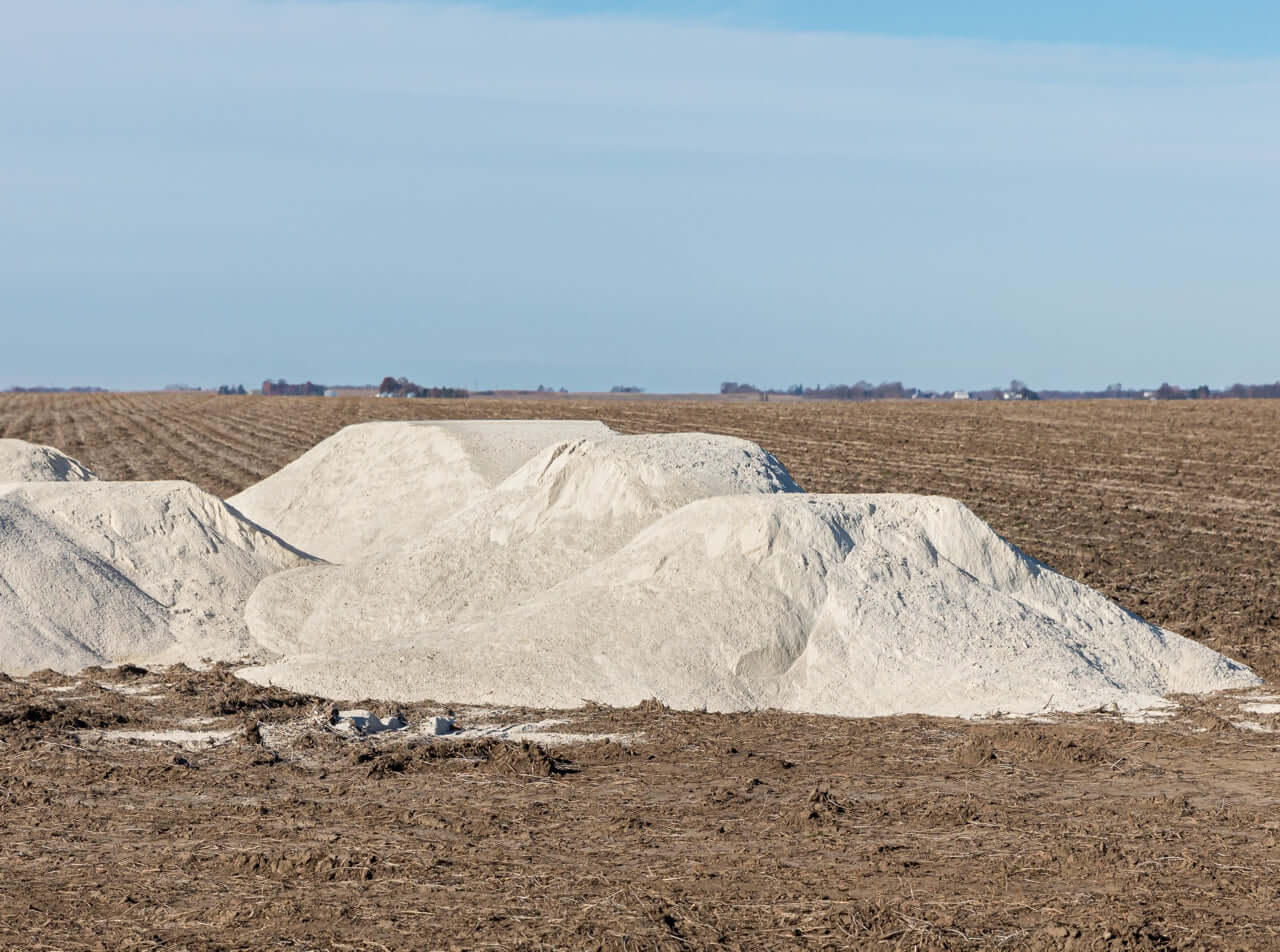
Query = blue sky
x=670 y=196
x=1230 y=27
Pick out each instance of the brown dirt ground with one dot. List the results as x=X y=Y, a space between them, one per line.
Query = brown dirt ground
x=745 y=831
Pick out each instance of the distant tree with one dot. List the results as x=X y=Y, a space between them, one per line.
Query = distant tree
x=388 y=385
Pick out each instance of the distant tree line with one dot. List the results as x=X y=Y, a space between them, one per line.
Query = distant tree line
x=1252 y=391
x=282 y=388
x=1017 y=390
x=841 y=391
x=626 y=389
x=404 y=387
x=228 y=390
x=57 y=389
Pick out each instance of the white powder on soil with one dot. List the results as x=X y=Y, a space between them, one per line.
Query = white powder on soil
x=23 y=462
x=373 y=488
x=101 y=572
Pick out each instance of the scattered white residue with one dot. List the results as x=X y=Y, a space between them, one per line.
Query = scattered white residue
x=127 y=688
x=1148 y=717
x=62 y=689
x=183 y=738
x=1252 y=726
x=536 y=733
x=197 y=721
x=1261 y=708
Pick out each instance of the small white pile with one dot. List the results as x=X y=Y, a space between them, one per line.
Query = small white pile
x=98 y=572
x=377 y=488
x=23 y=462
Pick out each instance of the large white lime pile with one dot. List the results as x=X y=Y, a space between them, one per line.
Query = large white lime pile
x=95 y=572
x=373 y=488
x=673 y=567
x=550 y=563
x=23 y=462
x=567 y=508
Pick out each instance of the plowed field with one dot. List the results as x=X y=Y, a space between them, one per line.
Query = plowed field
x=262 y=827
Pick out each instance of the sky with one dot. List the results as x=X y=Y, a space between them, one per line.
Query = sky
x=589 y=194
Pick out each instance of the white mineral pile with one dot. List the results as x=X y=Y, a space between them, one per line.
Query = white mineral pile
x=374 y=488
x=569 y=507
x=23 y=462
x=99 y=572
x=850 y=605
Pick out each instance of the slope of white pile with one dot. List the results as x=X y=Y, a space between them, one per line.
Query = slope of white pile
x=572 y=505
x=99 y=572
x=374 y=488
x=23 y=462
x=597 y=573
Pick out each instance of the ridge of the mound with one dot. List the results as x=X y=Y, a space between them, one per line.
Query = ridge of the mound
x=850 y=605
x=96 y=572
x=570 y=506
x=23 y=462
x=376 y=488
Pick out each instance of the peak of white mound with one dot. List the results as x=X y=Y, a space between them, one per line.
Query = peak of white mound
x=23 y=462
x=378 y=488
x=850 y=605
x=97 y=572
x=570 y=506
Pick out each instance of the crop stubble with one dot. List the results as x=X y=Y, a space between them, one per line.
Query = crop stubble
x=749 y=831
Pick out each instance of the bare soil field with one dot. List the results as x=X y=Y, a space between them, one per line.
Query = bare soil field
x=743 y=831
